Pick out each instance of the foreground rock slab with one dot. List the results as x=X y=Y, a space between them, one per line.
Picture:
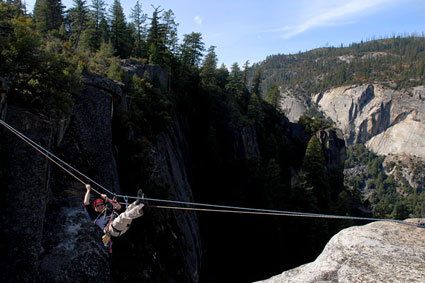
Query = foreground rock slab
x=376 y=252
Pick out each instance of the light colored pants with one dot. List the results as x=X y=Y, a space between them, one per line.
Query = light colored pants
x=121 y=224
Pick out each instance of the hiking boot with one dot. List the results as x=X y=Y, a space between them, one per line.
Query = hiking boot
x=140 y=197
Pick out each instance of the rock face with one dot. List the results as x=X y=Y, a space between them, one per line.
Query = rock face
x=47 y=235
x=172 y=173
x=387 y=121
x=333 y=146
x=50 y=238
x=243 y=140
x=291 y=106
x=377 y=252
x=134 y=67
x=24 y=175
x=72 y=250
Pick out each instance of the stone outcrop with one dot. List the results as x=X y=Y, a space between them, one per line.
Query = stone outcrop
x=292 y=106
x=133 y=67
x=243 y=140
x=333 y=146
x=377 y=252
x=387 y=121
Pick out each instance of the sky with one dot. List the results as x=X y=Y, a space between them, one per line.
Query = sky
x=251 y=30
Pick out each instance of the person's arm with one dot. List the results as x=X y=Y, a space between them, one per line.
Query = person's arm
x=116 y=205
x=87 y=195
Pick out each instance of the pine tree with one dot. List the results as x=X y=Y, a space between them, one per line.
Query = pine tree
x=246 y=95
x=222 y=75
x=303 y=198
x=104 y=31
x=48 y=15
x=256 y=88
x=39 y=77
x=15 y=8
x=314 y=165
x=400 y=211
x=192 y=49
x=155 y=40
x=98 y=18
x=208 y=70
x=235 y=81
x=245 y=72
x=98 y=12
x=170 y=32
x=273 y=188
x=254 y=111
x=139 y=35
x=120 y=33
x=79 y=17
x=89 y=38
x=273 y=95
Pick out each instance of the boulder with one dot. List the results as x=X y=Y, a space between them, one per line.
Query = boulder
x=376 y=252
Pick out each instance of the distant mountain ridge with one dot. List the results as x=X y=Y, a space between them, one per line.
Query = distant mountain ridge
x=397 y=62
x=375 y=93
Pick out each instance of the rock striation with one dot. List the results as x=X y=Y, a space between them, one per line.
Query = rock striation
x=376 y=252
x=386 y=120
x=172 y=173
x=292 y=106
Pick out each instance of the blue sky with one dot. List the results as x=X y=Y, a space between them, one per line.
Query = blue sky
x=252 y=29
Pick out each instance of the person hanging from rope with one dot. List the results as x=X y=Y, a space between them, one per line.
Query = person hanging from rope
x=113 y=223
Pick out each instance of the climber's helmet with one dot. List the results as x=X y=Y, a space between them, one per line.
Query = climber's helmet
x=98 y=203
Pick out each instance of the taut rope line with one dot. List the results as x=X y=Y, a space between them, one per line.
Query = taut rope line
x=52 y=157
x=194 y=206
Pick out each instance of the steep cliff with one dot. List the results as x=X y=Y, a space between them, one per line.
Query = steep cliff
x=292 y=106
x=49 y=237
x=387 y=121
x=377 y=252
x=24 y=176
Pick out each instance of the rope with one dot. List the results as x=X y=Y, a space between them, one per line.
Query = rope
x=193 y=206
x=287 y=213
x=39 y=149
x=52 y=158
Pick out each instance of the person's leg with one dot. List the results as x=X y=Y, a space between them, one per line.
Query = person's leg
x=121 y=224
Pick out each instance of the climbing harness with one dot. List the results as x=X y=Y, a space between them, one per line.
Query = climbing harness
x=106 y=239
x=184 y=205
